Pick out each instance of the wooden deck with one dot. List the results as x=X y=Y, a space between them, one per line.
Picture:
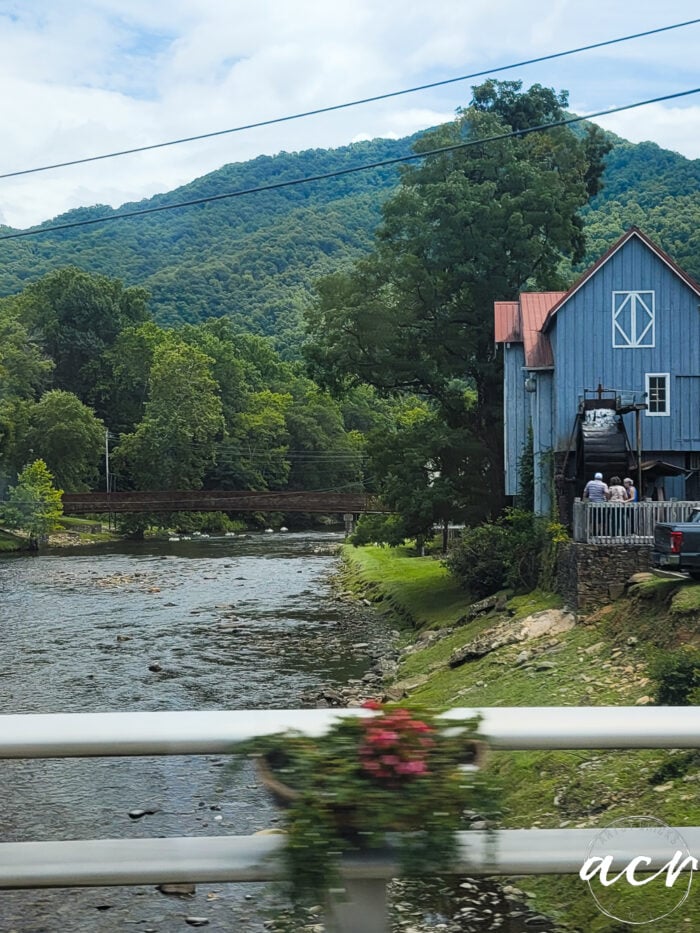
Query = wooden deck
x=625 y=523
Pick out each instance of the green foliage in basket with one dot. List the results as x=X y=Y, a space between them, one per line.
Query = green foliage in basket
x=395 y=772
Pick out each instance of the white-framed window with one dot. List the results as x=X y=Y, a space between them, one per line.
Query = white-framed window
x=633 y=319
x=657 y=385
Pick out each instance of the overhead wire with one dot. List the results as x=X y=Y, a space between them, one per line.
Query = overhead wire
x=353 y=103
x=338 y=173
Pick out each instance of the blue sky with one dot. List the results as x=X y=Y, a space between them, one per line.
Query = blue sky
x=86 y=77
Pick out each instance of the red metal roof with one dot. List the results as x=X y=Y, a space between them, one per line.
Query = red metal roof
x=534 y=308
x=521 y=322
x=507 y=322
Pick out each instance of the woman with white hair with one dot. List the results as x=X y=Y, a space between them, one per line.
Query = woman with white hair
x=631 y=494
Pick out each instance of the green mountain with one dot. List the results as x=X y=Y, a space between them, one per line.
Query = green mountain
x=255 y=258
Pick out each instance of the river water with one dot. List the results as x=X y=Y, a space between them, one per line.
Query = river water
x=226 y=623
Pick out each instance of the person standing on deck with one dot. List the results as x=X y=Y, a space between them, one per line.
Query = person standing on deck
x=630 y=490
x=617 y=492
x=596 y=490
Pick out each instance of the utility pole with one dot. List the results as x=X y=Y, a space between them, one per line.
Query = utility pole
x=107 y=458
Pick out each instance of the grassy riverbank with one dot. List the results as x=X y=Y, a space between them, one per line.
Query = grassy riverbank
x=602 y=660
x=10 y=542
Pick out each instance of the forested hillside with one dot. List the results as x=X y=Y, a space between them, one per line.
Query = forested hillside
x=255 y=258
x=654 y=189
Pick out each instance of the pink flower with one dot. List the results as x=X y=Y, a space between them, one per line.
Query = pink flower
x=371 y=704
x=383 y=738
x=419 y=726
x=413 y=768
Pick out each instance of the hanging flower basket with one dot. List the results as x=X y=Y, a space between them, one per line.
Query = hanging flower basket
x=366 y=780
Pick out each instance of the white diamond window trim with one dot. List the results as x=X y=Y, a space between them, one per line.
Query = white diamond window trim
x=633 y=319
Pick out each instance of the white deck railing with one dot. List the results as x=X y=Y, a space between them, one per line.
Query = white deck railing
x=249 y=858
x=625 y=523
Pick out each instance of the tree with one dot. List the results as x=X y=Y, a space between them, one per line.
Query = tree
x=129 y=363
x=254 y=453
x=465 y=228
x=77 y=317
x=176 y=441
x=427 y=472
x=324 y=455
x=34 y=504
x=67 y=436
x=23 y=368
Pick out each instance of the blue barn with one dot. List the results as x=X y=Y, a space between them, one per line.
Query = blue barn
x=605 y=376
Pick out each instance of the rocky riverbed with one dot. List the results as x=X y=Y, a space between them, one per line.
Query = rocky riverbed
x=449 y=905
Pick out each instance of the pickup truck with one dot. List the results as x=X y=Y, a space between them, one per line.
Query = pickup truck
x=677 y=546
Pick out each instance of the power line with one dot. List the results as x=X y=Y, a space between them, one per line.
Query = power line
x=352 y=103
x=338 y=173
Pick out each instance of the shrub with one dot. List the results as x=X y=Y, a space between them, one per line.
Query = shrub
x=504 y=553
x=677 y=674
x=381 y=529
x=478 y=559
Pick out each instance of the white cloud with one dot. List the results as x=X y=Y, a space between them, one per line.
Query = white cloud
x=93 y=76
x=676 y=126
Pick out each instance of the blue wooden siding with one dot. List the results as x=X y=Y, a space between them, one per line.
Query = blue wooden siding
x=516 y=414
x=584 y=355
x=541 y=412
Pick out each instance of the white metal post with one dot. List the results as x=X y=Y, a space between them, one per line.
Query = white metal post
x=361 y=908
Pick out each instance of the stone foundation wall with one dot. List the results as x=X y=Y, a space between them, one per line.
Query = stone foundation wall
x=590 y=575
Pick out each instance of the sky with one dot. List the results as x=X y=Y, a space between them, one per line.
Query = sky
x=85 y=77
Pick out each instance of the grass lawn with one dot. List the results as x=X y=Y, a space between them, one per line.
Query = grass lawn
x=10 y=542
x=419 y=589
x=603 y=662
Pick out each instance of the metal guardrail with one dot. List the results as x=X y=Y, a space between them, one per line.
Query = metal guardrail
x=186 y=732
x=622 y=523
x=250 y=858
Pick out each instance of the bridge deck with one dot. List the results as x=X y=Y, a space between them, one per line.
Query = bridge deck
x=217 y=500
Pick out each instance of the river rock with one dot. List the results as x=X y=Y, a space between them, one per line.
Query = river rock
x=547 y=622
x=155 y=667
x=179 y=889
x=498 y=601
x=146 y=811
x=197 y=921
x=642 y=577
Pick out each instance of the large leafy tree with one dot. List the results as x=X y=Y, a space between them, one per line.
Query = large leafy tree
x=77 y=318
x=465 y=228
x=24 y=371
x=34 y=504
x=67 y=436
x=323 y=454
x=176 y=442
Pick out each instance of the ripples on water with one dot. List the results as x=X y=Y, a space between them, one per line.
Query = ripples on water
x=233 y=623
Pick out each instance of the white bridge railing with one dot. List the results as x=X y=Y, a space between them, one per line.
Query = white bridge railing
x=625 y=523
x=249 y=858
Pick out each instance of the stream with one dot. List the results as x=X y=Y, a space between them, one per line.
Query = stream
x=210 y=623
